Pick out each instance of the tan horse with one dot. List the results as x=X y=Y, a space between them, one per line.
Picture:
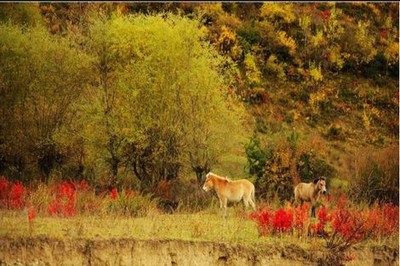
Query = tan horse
x=230 y=190
x=310 y=192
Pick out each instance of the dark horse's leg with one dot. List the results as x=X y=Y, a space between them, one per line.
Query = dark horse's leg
x=312 y=210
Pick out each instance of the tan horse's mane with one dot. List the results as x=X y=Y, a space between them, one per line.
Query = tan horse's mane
x=219 y=178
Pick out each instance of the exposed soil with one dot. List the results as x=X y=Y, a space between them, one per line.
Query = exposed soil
x=47 y=251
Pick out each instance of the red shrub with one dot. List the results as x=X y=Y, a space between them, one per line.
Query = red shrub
x=390 y=216
x=16 y=196
x=12 y=195
x=263 y=219
x=301 y=216
x=31 y=214
x=325 y=14
x=269 y=221
x=53 y=208
x=342 y=201
x=323 y=218
x=64 y=202
x=113 y=194
x=282 y=220
x=348 y=226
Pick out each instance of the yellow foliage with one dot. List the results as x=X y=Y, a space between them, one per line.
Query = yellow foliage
x=392 y=52
x=373 y=9
x=335 y=57
x=227 y=42
x=231 y=21
x=284 y=155
x=372 y=112
x=366 y=120
x=365 y=41
x=273 y=66
x=334 y=28
x=273 y=10
x=318 y=39
x=305 y=22
x=253 y=74
x=212 y=9
x=295 y=114
x=316 y=99
x=376 y=113
x=287 y=41
x=315 y=72
x=226 y=36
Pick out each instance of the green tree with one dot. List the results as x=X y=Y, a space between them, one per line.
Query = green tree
x=41 y=76
x=160 y=102
x=185 y=117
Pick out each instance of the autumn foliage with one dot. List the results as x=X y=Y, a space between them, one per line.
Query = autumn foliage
x=340 y=224
x=12 y=194
x=69 y=199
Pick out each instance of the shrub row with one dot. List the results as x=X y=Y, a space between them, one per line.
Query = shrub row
x=68 y=199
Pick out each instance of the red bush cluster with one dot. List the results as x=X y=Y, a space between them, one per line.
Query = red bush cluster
x=282 y=220
x=31 y=214
x=66 y=196
x=325 y=14
x=263 y=217
x=12 y=194
x=324 y=217
x=63 y=203
x=67 y=199
x=113 y=194
x=339 y=225
x=301 y=217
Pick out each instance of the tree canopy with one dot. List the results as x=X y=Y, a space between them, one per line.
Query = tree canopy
x=138 y=93
x=143 y=96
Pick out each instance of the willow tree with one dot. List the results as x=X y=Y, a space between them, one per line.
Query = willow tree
x=41 y=77
x=183 y=112
x=160 y=104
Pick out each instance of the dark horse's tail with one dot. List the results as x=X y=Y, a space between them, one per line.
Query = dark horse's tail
x=253 y=196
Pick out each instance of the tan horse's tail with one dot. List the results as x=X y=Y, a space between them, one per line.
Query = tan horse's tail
x=253 y=196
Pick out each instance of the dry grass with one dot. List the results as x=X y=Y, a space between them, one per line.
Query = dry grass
x=206 y=226
x=203 y=226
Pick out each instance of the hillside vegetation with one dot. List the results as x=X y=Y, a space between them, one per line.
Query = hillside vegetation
x=151 y=96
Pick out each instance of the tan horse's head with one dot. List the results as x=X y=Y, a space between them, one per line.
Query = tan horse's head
x=209 y=183
x=321 y=184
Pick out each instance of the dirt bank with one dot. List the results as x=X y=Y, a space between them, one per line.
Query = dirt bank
x=46 y=251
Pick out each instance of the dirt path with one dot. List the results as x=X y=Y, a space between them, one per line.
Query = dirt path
x=46 y=251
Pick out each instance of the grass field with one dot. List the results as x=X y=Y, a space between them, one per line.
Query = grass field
x=200 y=226
x=236 y=228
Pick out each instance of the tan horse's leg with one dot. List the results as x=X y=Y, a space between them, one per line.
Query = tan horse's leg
x=253 y=205
x=223 y=204
x=246 y=203
x=249 y=199
x=252 y=199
